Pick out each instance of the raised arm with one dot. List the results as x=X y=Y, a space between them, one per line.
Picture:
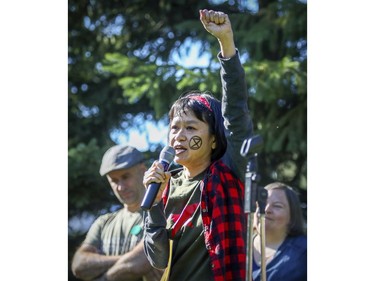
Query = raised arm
x=218 y=24
x=237 y=120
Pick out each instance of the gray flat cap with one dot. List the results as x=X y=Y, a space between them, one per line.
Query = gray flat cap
x=120 y=157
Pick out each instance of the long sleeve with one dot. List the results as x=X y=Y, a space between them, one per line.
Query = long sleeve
x=237 y=120
x=156 y=241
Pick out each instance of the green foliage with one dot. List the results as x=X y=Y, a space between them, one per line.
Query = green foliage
x=139 y=79
x=87 y=189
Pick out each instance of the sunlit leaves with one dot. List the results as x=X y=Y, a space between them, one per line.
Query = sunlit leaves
x=86 y=187
x=272 y=80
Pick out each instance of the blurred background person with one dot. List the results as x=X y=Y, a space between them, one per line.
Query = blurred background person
x=285 y=237
x=113 y=247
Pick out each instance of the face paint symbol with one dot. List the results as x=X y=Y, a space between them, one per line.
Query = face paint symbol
x=195 y=143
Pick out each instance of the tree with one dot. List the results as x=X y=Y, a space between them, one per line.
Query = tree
x=122 y=71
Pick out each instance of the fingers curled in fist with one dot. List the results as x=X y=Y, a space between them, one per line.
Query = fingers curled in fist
x=217 y=17
x=210 y=16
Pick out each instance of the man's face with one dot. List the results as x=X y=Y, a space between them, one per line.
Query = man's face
x=127 y=185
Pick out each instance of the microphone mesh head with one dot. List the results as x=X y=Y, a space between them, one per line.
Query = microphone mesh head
x=167 y=154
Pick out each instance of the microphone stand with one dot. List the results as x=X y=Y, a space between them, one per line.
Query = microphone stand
x=253 y=194
x=262 y=201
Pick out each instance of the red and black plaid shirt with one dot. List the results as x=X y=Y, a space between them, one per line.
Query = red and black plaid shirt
x=225 y=223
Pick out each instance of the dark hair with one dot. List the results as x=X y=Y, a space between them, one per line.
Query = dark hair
x=207 y=109
x=297 y=223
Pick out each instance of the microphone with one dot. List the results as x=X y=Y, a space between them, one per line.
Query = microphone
x=165 y=158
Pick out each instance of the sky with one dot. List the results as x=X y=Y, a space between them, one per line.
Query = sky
x=141 y=139
x=33 y=139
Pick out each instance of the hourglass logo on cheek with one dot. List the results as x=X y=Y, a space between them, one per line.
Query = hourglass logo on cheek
x=195 y=143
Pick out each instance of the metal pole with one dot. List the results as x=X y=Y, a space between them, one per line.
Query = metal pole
x=249 y=243
x=262 y=201
x=263 y=247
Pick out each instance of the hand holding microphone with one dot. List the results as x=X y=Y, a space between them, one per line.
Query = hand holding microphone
x=156 y=176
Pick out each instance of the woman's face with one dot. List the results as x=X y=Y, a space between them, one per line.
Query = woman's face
x=277 y=212
x=191 y=140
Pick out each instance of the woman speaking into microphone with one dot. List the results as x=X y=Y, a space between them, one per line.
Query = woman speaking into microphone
x=196 y=227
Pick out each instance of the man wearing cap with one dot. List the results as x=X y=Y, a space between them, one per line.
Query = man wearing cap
x=112 y=249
